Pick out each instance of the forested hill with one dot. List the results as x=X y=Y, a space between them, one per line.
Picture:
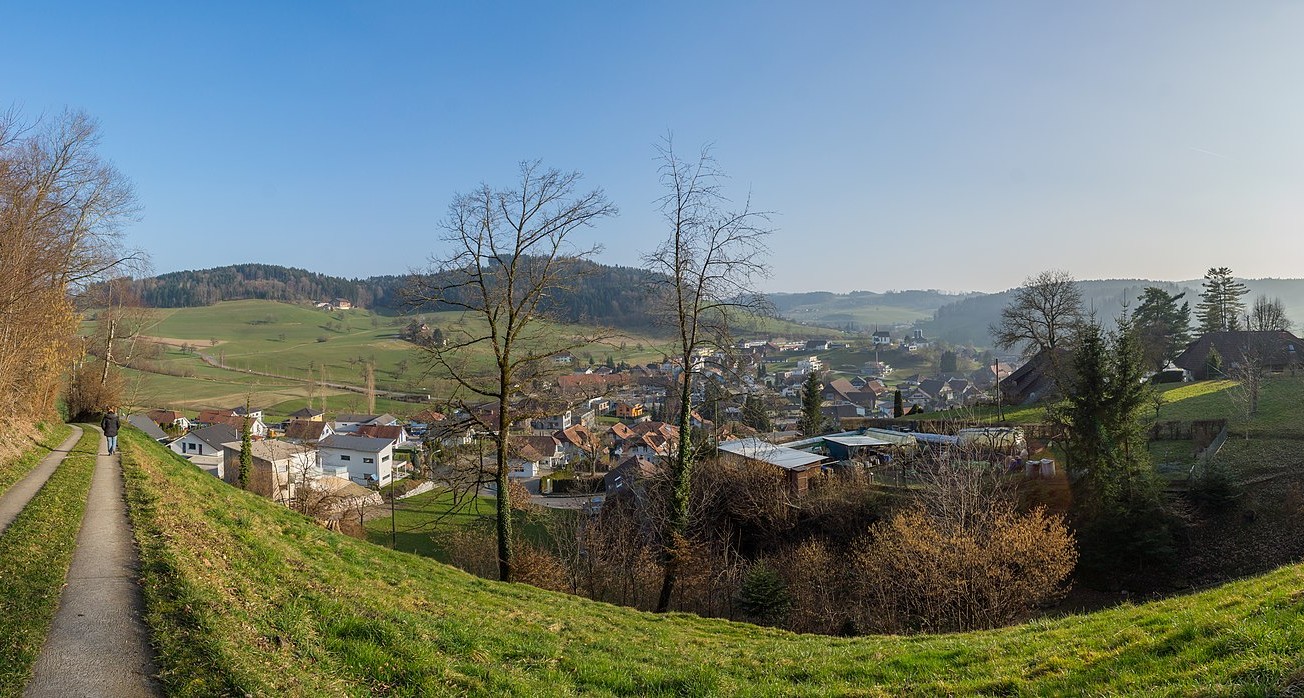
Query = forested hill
x=608 y=295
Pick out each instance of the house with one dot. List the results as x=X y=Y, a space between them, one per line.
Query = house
x=309 y=414
x=842 y=409
x=279 y=467
x=257 y=429
x=348 y=423
x=627 y=410
x=249 y=412
x=552 y=423
x=394 y=432
x=144 y=423
x=627 y=474
x=169 y=419
x=1275 y=350
x=882 y=339
x=987 y=376
x=939 y=389
x=844 y=390
x=307 y=431
x=1036 y=380
x=210 y=417
x=205 y=442
x=620 y=431
x=809 y=364
x=361 y=459
x=342 y=304
x=532 y=456
x=817 y=345
x=798 y=467
x=577 y=442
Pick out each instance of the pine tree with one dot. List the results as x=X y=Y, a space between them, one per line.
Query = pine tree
x=763 y=595
x=812 y=419
x=898 y=405
x=1220 y=308
x=1163 y=327
x=246 y=452
x=755 y=414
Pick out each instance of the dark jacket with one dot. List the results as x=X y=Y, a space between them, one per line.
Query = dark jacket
x=110 y=424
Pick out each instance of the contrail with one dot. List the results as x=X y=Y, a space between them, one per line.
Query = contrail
x=1206 y=152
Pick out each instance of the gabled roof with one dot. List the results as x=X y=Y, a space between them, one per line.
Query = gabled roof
x=213 y=416
x=305 y=430
x=355 y=443
x=1276 y=349
x=164 y=416
x=391 y=432
x=621 y=430
x=215 y=435
x=306 y=413
x=576 y=435
x=356 y=418
x=147 y=425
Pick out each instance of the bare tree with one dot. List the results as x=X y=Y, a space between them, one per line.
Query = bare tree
x=1268 y=315
x=509 y=251
x=706 y=267
x=1042 y=315
x=62 y=210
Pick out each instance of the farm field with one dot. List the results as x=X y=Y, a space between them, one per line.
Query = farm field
x=297 y=344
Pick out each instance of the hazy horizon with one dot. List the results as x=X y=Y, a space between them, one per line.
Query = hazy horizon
x=947 y=146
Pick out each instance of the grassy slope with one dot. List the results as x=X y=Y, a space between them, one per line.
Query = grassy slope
x=282 y=339
x=14 y=470
x=420 y=521
x=245 y=596
x=35 y=552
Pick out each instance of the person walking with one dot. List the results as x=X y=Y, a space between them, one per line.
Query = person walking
x=110 y=426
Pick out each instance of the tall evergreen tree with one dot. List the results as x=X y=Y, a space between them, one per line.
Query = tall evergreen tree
x=898 y=405
x=1162 y=326
x=1220 y=308
x=246 y=451
x=812 y=419
x=755 y=414
x=1118 y=501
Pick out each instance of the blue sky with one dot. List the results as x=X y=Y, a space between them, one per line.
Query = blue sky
x=953 y=145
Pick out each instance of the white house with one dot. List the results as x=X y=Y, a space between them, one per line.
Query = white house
x=357 y=457
x=206 y=441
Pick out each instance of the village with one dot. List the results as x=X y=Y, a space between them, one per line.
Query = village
x=596 y=429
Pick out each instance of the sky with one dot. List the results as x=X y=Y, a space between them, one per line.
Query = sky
x=949 y=145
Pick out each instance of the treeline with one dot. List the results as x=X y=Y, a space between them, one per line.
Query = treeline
x=599 y=294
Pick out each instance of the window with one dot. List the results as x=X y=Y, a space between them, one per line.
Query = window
x=384 y=459
x=368 y=460
x=346 y=457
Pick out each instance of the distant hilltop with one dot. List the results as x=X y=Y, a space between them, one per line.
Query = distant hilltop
x=615 y=296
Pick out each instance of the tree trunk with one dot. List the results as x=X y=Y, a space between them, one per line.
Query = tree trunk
x=503 y=508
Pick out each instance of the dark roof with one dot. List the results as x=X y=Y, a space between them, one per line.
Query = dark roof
x=216 y=435
x=147 y=425
x=306 y=413
x=1034 y=381
x=358 y=418
x=1277 y=350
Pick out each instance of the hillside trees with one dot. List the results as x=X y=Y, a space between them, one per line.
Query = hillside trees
x=1162 y=326
x=508 y=250
x=62 y=210
x=1220 y=307
x=1042 y=315
x=703 y=273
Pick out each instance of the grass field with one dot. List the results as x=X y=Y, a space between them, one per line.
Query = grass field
x=297 y=344
x=422 y=520
x=246 y=597
x=35 y=552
